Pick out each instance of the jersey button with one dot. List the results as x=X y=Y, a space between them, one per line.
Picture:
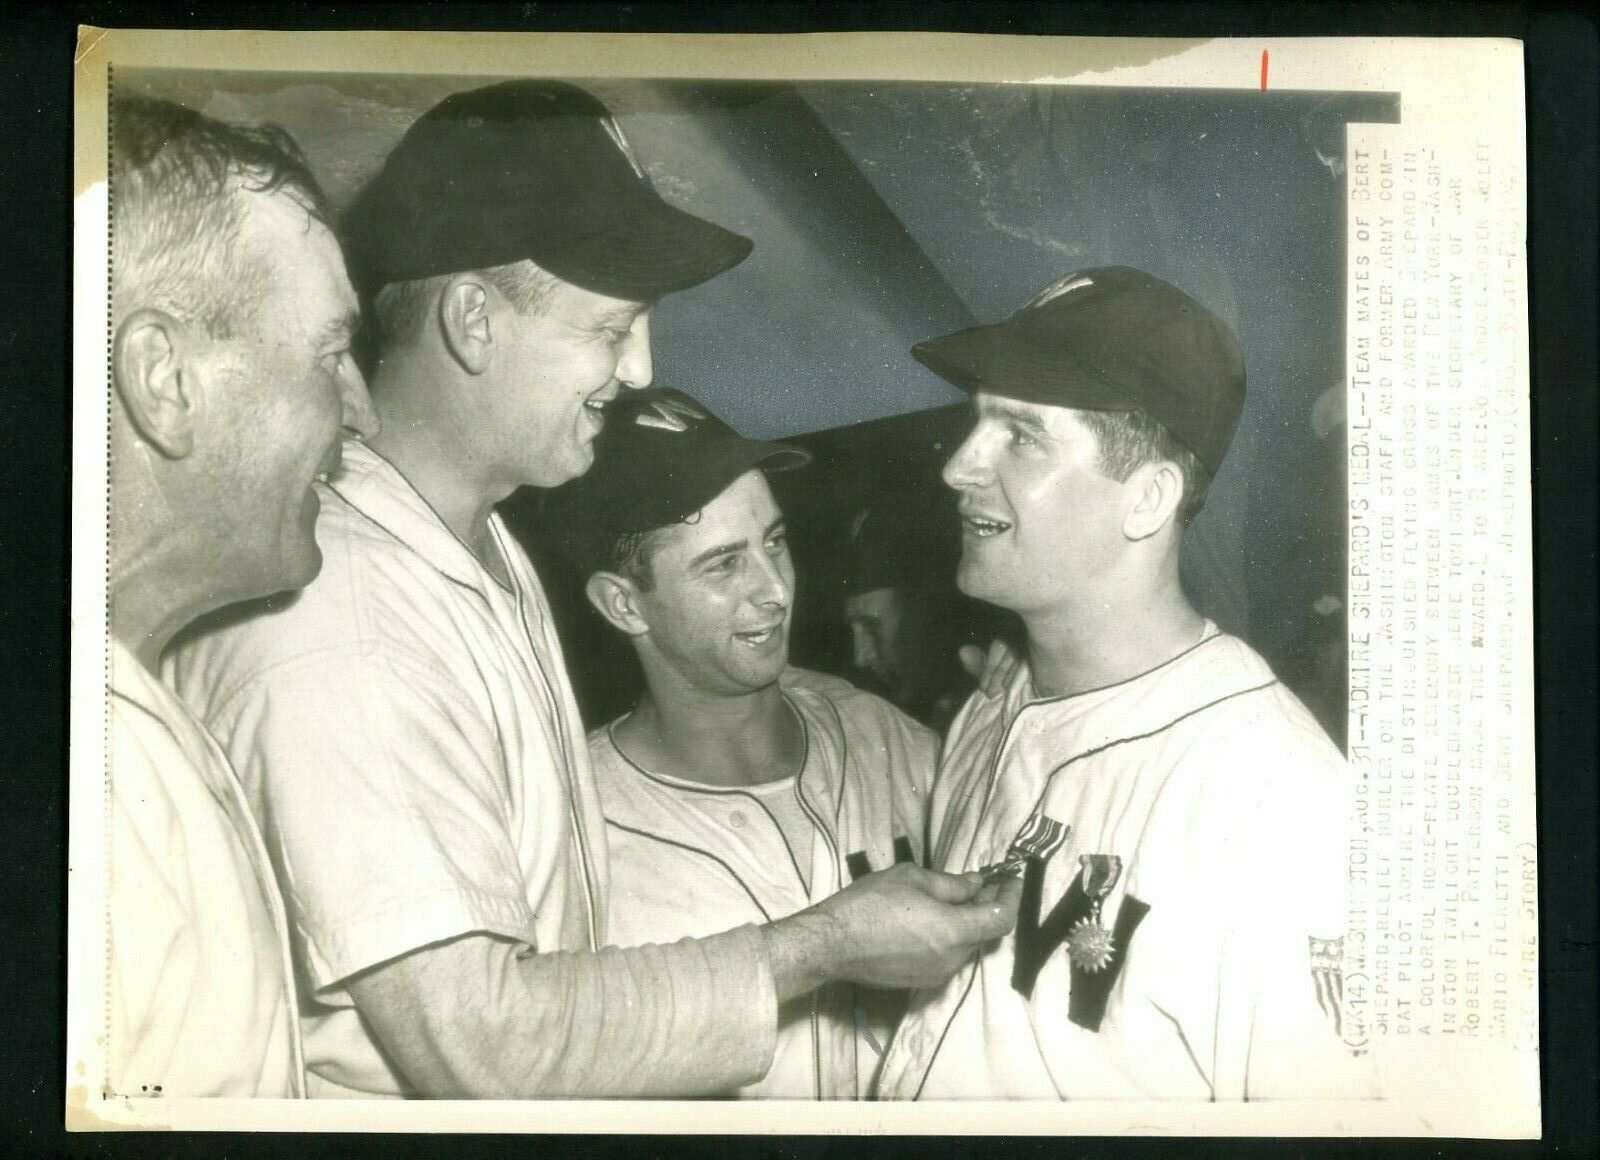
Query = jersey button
x=736 y=819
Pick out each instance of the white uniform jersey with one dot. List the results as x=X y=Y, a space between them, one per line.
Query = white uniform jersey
x=201 y=992
x=688 y=860
x=406 y=734
x=1204 y=808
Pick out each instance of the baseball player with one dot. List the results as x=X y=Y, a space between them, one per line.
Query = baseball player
x=231 y=378
x=739 y=789
x=1175 y=814
x=405 y=728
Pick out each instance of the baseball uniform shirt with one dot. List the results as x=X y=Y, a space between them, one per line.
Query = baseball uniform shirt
x=406 y=733
x=200 y=990
x=1181 y=941
x=689 y=859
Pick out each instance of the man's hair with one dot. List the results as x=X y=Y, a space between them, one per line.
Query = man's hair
x=401 y=309
x=177 y=212
x=625 y=553
x=1130 y=439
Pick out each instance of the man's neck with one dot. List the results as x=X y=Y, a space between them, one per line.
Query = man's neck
x=424 y=448
x=723 y=741
x=1091 y=644
x=158 y=584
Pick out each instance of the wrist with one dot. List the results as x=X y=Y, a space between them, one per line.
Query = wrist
x=803 y=950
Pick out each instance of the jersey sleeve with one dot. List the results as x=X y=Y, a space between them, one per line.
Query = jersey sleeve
x=377 y=784
x=1279 y=963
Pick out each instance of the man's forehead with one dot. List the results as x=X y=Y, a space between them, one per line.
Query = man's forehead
x=573 y=301
x=727 y=517
x=1039 y=414
x=305 y=258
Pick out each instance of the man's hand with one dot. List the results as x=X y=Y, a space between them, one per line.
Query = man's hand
x=993 y=671
x=901 y=927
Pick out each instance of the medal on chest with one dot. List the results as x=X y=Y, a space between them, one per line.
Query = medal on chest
x=1090 y=945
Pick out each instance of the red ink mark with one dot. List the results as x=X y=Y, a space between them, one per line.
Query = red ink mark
x=1263 y=70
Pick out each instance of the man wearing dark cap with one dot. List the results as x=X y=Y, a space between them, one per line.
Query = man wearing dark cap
x=739 y=789
x=405 y=728
x=1176 y=815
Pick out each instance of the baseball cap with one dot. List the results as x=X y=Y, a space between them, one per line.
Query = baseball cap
x=1110 y=338
x=661 y=457
x=528 y=169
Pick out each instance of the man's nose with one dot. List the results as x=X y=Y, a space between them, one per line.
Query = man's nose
x=359 y=414
x=634 y=366
x=865 y=654
x=773 y=587
x=967 y=468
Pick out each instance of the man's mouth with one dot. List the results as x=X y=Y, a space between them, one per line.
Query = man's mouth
x=983 y=526
x=594 y=411
x=759 y=636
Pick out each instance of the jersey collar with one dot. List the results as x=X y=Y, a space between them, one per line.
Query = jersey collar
x=374 y=487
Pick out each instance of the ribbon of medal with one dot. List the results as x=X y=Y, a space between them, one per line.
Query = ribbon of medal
x=1089 y=943
x=1040 y=838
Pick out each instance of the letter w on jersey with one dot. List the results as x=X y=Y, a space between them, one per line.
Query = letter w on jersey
x=1037 y=941
x=858 y=864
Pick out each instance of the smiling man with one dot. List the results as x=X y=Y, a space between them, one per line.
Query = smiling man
x=739 y=789
x=231 y=379
x=405 y=727
x=1180 y=937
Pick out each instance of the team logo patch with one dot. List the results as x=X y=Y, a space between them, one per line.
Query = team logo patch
x=668 y=415
x=1327 y=973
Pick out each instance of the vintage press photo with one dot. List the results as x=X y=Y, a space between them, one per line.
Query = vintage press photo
x=1353 y=211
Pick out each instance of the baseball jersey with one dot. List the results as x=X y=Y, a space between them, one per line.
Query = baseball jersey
x=200 y=990
x=407 y=735
x=689 y=859
x=1181 y=941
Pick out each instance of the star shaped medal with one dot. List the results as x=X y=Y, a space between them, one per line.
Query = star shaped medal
x=1089 y=944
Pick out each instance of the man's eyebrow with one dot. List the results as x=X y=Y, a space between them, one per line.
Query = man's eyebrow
x=719 y=550
x=628 y=312
x=343 y=327
x=1000 y=409
x=776 y=525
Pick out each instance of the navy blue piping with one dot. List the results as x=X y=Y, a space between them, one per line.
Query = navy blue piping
x=1079 y=757
x=805 y=756
x=734 y=874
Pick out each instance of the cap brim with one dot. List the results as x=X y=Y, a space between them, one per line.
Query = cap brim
x=653 y=250
x=715 y=476
x=992 y=360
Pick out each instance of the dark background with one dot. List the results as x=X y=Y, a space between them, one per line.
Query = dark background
x=1563 y=62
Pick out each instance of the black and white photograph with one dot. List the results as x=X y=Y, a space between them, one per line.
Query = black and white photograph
x=982 y=592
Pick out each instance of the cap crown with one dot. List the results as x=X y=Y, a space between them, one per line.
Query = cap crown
x=1109 y=339
x=528 y=169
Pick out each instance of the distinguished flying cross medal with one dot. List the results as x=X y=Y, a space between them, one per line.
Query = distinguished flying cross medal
x=1089 y=944
x=1040 y=839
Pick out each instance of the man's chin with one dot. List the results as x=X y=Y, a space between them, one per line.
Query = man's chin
x=981 y=584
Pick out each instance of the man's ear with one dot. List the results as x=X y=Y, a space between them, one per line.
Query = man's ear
x=1156 y=490
x=154 y=380
x=617 y=599
x=464 y=321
